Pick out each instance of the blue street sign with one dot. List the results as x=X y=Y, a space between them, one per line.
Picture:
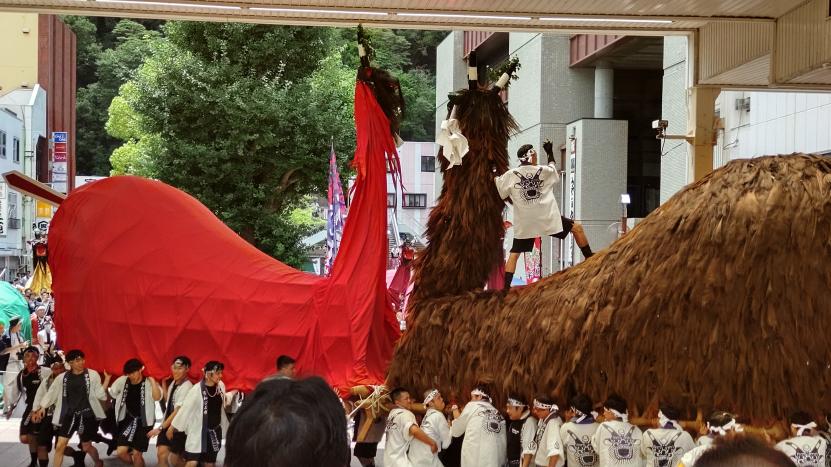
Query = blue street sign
x=59 y=136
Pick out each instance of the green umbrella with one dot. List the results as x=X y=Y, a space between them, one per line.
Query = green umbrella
x=12 y=304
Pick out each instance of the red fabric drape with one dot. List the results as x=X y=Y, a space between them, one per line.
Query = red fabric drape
x=143 y=270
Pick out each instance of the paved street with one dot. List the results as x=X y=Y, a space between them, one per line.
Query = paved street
x=14 y=454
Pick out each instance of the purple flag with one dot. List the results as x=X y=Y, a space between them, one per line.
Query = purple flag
x=334 y=221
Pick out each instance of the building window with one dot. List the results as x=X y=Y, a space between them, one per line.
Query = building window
x=428 y=164
x=3 y=144
x=415 y=201
x=16 y=150
x=390 y=200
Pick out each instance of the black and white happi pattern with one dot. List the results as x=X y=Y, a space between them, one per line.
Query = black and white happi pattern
x=580 y=449
x=664 y=447
x=618 y=443
x=530 y=187
x=535 y=212
x=805 y=451
x=485 y=439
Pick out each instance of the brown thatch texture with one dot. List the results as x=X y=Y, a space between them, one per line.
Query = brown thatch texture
x=465 y=227
x=721 y=298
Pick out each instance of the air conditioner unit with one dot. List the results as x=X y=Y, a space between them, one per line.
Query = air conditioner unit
x=14 y=223
x=743 y=104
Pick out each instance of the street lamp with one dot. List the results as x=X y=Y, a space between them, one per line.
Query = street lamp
x=625 y=200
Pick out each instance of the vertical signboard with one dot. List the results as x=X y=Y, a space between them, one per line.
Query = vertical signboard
x=60 y=152
x=4 y=208
x=572 y=191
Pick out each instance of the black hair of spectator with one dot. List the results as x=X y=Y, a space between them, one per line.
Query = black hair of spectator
x=396 y=394
x=582 y=403
x=74 y=354
x=670 y=411
x=800 y=418
x=289 y=423
x=132 y=365
x=31 y=348
x=742 y=450
x=183 y=360
x=284 y=361
x=720 y=418
x=616 y=402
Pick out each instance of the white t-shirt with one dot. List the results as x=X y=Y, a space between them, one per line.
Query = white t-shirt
x=548 y=441
x=486 y=440
x=618 y=443
x=664 y=447
x=437 y=428
x=531 y=189
x=577 y=441
x=805 y=451
x=398 y=441
x=691 y=457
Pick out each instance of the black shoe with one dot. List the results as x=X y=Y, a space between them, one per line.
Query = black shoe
x=78 y=457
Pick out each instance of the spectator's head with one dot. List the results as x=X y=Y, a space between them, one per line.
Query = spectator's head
x=720 y=423
x=515 y=406
x=544 y=406
x=285 y=366
x=31 y=356
x=44 y=295
x=28 y=293
x=14 y=325
x=802 y=424
x=481 y=392
x=213 y=372
x=55 y=363
x=132 y=370
x=77 y=360
x=615 y=408
x=739 y=450
x=40 y=311
x=401 y=398
x=289 y=423
x=180 y=367
x=527 y=154
x=581 y=405
x=433 y=400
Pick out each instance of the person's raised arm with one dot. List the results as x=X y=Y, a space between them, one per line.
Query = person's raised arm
x=155 y=389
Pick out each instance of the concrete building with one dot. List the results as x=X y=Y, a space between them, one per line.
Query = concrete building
x=40 y=50
x=11 y=157
x=418 y=168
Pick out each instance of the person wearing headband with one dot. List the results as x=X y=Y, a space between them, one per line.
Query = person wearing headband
x=47 y=337
x=520 y=429
x=27 y=382
x=202 y=417
x=578 y=432
x=46 y=434
x=77 y=396
x=169 y=451
x=547 y=441
x=435 y=425
x=805 y=447
x=483 y=427
x=664 y=446
x=135 y=399
x=13 y=345
x=530 y=188
x=616 y=441
x=401 y=429
x=718 y=425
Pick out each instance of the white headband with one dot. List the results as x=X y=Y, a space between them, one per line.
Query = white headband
x=663 y=420
x=515 y=403
x=624 y=417
x=801 y=429
x=479 y=392
x=526 y=156
x=549 y=407
x=430 y=396
x=722 y=430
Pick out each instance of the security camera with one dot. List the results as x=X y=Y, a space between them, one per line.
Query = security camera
x=660 y=124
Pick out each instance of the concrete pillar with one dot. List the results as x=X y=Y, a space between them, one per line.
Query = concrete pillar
x=703 y=115
x=604 y=90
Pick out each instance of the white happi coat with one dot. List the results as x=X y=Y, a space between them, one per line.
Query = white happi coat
x=665 y=446
x=547 y=441
x=576 y=438
x=618 y=443
x=117 y=393
x=805 y=451
x=54 y=396
x=437 y=428
x=397 y=446
x=531 y=189
x=179 y=396
x=691 y=457
x=189 y=418
x=486 y=441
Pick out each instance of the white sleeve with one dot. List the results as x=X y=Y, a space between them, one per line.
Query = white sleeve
x=41 y=392
x=553 y=443
x=51 y=397
x=460 y=424
x=117 y=387
x=552 y=169
x=181 y=394
x=95 y=387
x=503 y=184
x=192 y=401
x=529 y=431
x=409 y=420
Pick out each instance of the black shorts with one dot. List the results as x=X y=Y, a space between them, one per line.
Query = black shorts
x=86 y=426
x=366 y=450
x=132 y=437
x=46 y=433
x=27 y=426
x=525 y=245
x=175 y=445
x=208 y=457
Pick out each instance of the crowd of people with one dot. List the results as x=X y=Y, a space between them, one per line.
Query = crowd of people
x=539 y=433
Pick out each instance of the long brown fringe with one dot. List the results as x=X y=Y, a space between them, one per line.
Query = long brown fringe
x=465 y=228
x=721 y=298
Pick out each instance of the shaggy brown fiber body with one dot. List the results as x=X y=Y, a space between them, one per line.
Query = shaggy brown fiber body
x=465 y=228
x=721 y=298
